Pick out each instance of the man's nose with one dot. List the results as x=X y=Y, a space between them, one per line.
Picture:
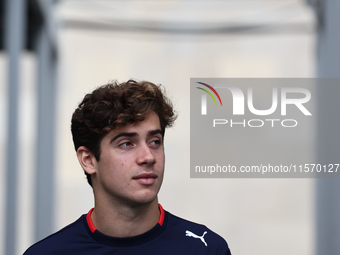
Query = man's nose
x=145 y=155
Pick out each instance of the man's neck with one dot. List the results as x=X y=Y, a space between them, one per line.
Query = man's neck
x=124 y=220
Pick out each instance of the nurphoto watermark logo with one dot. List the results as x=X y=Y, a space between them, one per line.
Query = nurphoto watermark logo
x=256 y=128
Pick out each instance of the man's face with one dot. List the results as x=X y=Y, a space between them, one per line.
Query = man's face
x=131 y=165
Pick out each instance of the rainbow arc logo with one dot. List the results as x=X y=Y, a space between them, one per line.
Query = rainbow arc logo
x=204 y=97
x=212 y=89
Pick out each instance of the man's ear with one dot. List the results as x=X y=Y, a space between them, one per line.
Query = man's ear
x=87 y=160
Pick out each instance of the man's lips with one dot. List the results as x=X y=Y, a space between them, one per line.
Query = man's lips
x=145 y=178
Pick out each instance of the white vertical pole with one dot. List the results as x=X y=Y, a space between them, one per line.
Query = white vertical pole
x=45 y=179
x=328 y=132
x=14 y=43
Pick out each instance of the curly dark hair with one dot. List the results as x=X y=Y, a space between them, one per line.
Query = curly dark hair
x=113 y=105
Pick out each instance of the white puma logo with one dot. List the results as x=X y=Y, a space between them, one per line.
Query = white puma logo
x=189 y=233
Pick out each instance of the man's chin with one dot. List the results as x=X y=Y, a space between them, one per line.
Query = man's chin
x=144 y=201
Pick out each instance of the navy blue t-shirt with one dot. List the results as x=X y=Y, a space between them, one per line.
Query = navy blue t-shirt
x=172 y=235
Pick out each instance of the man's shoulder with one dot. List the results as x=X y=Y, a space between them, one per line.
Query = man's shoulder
x=59 y=240
x=196 y=235
x=180 y=223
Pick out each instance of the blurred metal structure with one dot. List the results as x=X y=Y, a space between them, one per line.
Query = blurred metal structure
x=14 y=35
x=47 y=64
x=111 y=16
x=28 y=25
x=328 y=138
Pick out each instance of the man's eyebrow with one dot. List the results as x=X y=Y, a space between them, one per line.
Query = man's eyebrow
x=132 y=134
x=154 y=132
x=128 y=134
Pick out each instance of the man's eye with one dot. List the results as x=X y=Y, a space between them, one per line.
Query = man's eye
x=125 y=144
x=156 y=142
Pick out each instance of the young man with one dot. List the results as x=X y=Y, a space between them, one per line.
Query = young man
x=118 y=133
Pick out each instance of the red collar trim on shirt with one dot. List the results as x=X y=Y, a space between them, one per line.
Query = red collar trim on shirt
x=161 y=217
x=89 y=221
x=93 y=228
